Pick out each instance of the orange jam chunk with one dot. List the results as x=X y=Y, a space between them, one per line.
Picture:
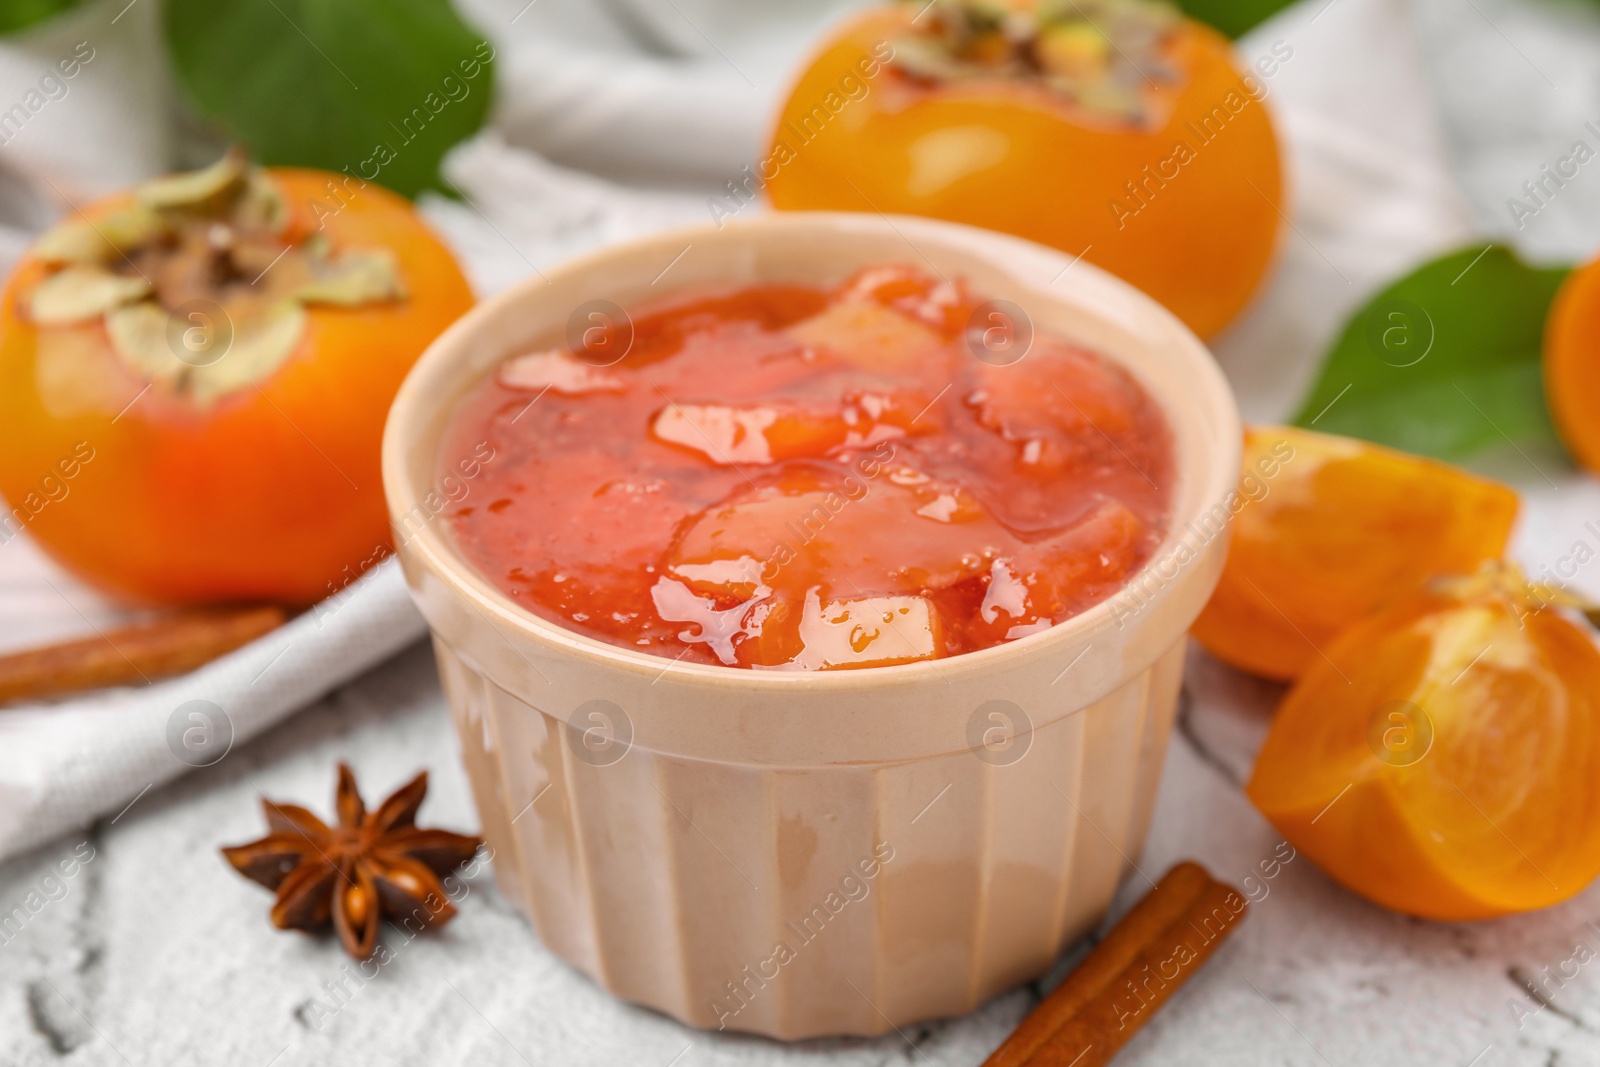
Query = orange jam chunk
x=788 y=478
x=768 y=433
x=871 y=337
x=559 y=371
x=874 y=631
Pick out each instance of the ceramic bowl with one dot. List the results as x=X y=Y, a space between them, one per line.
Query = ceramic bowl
x=805 y=854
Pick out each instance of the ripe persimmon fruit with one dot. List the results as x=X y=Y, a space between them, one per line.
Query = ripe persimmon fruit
x=194 y=377
x=1330 y=529
x=1572 y=363
x=1441 y=759
x=1117 y=129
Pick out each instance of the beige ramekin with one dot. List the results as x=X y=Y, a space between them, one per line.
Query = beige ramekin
x=808 y=854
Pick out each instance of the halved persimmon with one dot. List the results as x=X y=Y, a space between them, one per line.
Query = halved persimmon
x=1572 y=363
x=1441 y=759
x=1328 y=530
x=1117 y=129
x=194 y=377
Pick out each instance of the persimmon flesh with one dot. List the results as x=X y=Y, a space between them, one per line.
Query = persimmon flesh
x=1440 y=761
x=1329 y=529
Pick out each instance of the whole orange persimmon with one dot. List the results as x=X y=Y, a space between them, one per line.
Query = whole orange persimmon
x=1571 y=366
x=1117 y=129
x=194 y=377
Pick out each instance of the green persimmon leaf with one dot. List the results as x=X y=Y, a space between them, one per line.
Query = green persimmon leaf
x=1444 y=362
x=1233 y=17
x=381 y=87
x=18 y=15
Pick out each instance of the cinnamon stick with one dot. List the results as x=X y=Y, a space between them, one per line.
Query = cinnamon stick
x=1134 y=970
x=135 y=654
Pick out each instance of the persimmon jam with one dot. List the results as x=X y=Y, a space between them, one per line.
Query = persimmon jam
x=796 y=478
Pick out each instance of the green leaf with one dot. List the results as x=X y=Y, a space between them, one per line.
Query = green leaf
x=1445 y=361
x=381 y=87
x=1233 y=17
x=20 y=14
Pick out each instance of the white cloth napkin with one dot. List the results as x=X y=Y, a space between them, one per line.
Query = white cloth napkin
x=64 y=765
x=673 y=97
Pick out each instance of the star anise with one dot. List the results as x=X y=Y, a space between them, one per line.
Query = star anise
x=371 y=865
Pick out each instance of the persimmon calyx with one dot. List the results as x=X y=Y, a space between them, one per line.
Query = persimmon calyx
x=198 y=285
x=83 y=292
x=188 y=189
x=1101 y=54
x=80 y=241
x=1505 y=582
x=1498 y=579
x=142 y=335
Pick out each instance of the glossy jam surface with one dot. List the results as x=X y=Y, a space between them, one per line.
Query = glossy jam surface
x=783 y=477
